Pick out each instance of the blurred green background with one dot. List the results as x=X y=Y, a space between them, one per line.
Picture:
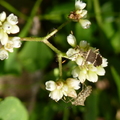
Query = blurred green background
x=23 y=75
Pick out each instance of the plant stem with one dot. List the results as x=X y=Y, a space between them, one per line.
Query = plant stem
x=45 y=39
x=60 y=65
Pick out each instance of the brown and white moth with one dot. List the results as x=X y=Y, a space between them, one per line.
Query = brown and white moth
x=94 y=57
x=81 y=97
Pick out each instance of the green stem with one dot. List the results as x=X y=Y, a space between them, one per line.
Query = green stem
x=51 y=46
x=60 y=65
x=45 y=39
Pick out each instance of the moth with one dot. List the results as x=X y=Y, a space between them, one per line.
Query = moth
x=81 y=97
x=94 y=57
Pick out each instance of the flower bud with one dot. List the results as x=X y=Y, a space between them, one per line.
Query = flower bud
x=12 y=19
x=85 y=23
x=16 y=42
x=83 y=44
x=3 y=37
x=50 y=85
x=2 y=16
x=79 y=4
x=71 y=40
x=3 y=54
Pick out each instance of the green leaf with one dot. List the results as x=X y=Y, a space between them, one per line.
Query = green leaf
x=12 y=109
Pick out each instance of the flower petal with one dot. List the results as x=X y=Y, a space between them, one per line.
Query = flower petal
x=92 y=76
x=56 y=95
x=73 y=83
x=100 y=71
x=50 y=85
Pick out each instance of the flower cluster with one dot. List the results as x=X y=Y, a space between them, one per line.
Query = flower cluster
x=8 y=25
x=89 y=62
x=80 y=14
x=62 y=88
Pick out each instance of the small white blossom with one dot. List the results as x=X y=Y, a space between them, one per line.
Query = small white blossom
x=50 y=85
x=100 y=70
x=83 y=13
x=63 y=88
x=3 y=37
x=71 y=40
x=79 y=4
x=3 y=54
x=56 y=95
x=73 y=83
x=92 y=76
x=56 y=89
x=71 y=93
x=85 y=23
x=9 y=46
x=15 y=29
x=80 y=60
x=12 y=19
x=16 y=42
x=9 y=28
x=12 y=43
x=72 y=54
x=88 y=72
x=2 y=16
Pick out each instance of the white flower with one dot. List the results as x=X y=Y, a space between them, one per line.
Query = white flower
x=50 y=85
x=71 y=93
x=3 y=54
x=56 y=95
x=2 y=16
x=56 y=89
x=80 y=60
x=92 y=76
x=16 y=42
x=85 y=23
x=73 y=83
x=9 y=28
x=9 y=46
x=12 y=43
x=100 y=70
x=84 y=72
x=71 y=40
x=15 y=29
x=79 y=4
x=3 y=37
x=75 y=72
x=83 y=13
x=12 y=19
x=72 y=54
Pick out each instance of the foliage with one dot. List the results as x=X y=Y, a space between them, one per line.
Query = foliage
x=40 y=62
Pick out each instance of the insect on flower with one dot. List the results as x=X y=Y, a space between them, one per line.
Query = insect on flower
x=82 y=96
x=94 y=57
